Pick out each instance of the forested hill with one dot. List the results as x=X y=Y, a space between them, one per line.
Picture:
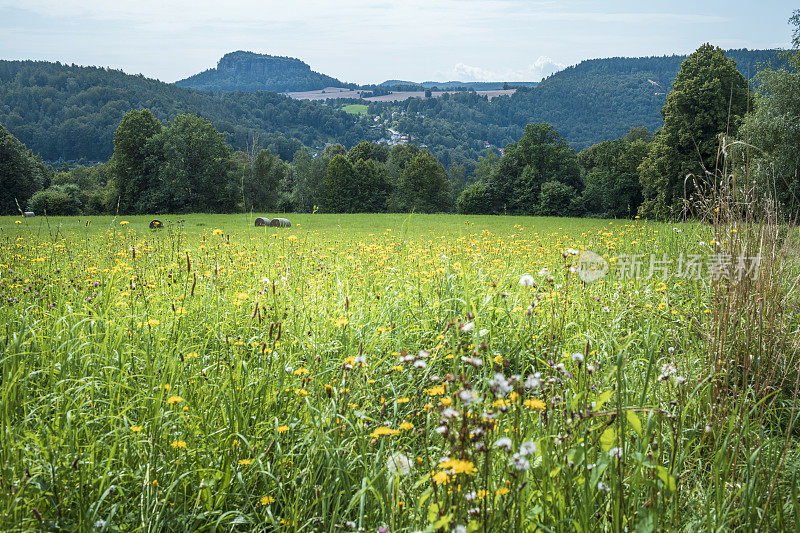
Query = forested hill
x=596 y=100
x=70 y=112
x=248 y=71
x=603 y=98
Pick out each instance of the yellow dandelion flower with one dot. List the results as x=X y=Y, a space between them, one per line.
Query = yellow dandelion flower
x=300 y=371
x=136 y=429
x=402 y=400
x=124 y=223
x=440 y=478
x=174 y=399
x=178 y=444
x=435 y=391
x=266 y=500
x=245 y=462
x=383 y=430
x=406 y=425
x=301 y=392
x=459 y=466
x=501 y=491
x=534 y=403
x=283 y=429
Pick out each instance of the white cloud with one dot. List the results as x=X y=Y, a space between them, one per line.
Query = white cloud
x=541 y=68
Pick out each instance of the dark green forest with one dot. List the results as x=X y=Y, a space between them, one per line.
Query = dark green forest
x=69 y=113
x=596 y=100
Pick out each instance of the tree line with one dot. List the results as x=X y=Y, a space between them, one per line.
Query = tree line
x=188 y=166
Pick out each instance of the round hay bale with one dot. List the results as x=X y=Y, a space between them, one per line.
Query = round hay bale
x=280 y=223
x=261 y=221
x=154 y=224
x=28 y=214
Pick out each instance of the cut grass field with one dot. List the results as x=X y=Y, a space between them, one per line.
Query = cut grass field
x=423 y=372
x=355 y=109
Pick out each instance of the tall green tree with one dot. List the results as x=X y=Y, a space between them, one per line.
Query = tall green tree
x=367 y=150
x=131 y=175
x=373 y=186
x=21 y=173
x=612 y=187
x=339 y=186
x=773 y=128
x=263 y=182
x=309 y=174
x=540 y=156
x=708 y=98
x=424 y=186
x=195 y=169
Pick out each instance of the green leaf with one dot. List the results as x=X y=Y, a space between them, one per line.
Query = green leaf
x=603 y=398
x=666 y=478
x=433 y=512
x=443 y=522
x=634 y=421
x=608 y=438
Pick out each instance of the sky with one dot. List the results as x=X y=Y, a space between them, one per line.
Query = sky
x=369 y=41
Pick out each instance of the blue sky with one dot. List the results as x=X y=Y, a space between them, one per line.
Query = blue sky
x=368 y=41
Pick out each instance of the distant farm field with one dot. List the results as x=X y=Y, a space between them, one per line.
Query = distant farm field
x=410 y=372
x=397 y=96
x=355 y=109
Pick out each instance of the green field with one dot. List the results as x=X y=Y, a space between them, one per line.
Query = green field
x=421 y=372
x=355 y=109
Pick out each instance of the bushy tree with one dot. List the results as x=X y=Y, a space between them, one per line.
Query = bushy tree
x=131 y=152
x=555 y=199
x=373 y=186
x=367 y=150
x=339 y=186
x=540 y=156
x=774 y=129
x=474 y=200
x=708 y=97
x=263 y=180
x=21 y=173
x=424 y=186
x=195 y=169
x=54 y=201
x=612 y=187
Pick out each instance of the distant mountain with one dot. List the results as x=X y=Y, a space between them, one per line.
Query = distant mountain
x=450 y=85
x=70 y=112
x=248 y=71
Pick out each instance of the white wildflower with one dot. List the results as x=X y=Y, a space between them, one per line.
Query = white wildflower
x=504 y=443
x=527 y=448
x=399 y=464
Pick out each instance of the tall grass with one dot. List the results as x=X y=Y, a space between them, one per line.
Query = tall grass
x=356 y=372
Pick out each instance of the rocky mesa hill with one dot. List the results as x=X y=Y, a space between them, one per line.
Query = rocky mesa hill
x=248 y=71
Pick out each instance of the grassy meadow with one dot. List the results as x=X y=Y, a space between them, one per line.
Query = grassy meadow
x=409 y=373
